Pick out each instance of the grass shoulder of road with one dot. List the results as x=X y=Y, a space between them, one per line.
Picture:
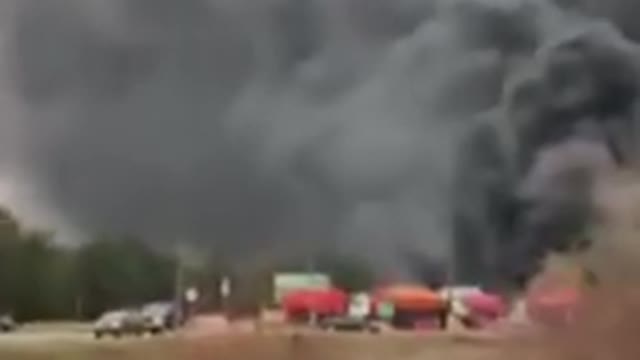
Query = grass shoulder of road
x=56 y=326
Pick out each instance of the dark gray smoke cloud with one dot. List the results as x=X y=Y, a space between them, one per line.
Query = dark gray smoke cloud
x=251 y=126
x=567 y=117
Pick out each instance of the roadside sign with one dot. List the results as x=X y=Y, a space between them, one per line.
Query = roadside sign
x=284 y=283
x=360 y=306
x=386 y=310
x=192 y=295
x=225 y=287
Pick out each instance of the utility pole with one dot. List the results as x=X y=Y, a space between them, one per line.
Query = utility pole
x=310 y=265
x=449 y=283
x=178 y=289
x=311 y=268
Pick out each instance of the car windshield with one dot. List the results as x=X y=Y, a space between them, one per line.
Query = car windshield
x=113 y=315
x=156 y=308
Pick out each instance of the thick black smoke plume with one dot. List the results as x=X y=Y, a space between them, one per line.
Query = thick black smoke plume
x=450 y=129
x=568 y=116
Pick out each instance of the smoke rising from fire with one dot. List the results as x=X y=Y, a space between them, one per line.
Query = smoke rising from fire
x=381 y=127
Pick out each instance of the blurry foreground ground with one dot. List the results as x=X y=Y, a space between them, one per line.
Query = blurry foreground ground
x=212 y=341
x=603 y=335
x=608 y=331
x=248 y=347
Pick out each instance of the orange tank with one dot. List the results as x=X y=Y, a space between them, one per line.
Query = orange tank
x=411 y=298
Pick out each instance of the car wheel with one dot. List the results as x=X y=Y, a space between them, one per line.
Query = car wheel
x=117 y=334
x=97 y=335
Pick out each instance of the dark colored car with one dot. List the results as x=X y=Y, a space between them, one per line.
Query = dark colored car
x=347 y=323
x=7 y=323
x=161 y=316
x=119 y=323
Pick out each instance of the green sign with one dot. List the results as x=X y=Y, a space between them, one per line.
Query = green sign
x=285 y=283
x=386 y=310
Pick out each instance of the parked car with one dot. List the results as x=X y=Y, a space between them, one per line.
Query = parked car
x=160 y=317
x=118 y=323
x=349 y=323
x=7 y=323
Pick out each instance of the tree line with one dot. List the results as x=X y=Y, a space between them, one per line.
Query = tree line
x=40 y=279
